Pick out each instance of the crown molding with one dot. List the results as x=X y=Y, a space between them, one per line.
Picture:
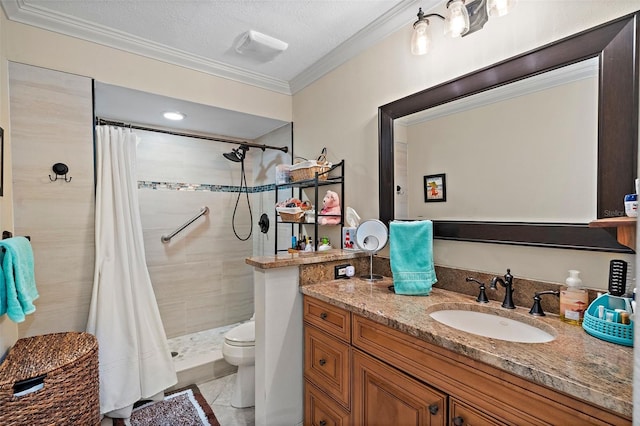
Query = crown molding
x=395 y=18
x=376 y=31
x=18 y=11
x=578 y=71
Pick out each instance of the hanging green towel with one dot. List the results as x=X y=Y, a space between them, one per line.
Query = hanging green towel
x=411 y=252
x=17 y=279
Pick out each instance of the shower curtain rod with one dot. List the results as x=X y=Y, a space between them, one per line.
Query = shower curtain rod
x=102 y=121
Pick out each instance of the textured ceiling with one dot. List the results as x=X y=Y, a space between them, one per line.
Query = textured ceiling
x=201 y=34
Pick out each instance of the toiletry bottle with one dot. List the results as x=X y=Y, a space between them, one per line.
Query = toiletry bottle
x=574 y=300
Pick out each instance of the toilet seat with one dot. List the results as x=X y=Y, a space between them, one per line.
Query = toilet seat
x=243 y=335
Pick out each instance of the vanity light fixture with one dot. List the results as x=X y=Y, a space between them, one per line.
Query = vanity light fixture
x=456 y=23
x=463 y=18
x=497 y=8
x=174 y=115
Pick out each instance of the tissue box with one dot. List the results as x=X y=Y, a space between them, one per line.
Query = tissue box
x=283 y=174
x=349 y=238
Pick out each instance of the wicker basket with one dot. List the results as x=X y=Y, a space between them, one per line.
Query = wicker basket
x=291 y=214
x=61 y=372
x=308 y=169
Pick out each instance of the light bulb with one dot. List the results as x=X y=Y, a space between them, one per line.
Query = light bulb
x=174 y=115
x=457 y=22
x=497 y=8
x=420 y=39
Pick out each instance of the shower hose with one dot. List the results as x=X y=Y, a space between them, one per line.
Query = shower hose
x=243 y=181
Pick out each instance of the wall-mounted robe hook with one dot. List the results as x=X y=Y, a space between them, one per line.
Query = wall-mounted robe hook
x=60 y=169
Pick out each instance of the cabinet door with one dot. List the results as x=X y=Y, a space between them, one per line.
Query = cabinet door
x=320 y=410
x=328 y=318
x=327 y=364
x=463 y=415
x=385 y=396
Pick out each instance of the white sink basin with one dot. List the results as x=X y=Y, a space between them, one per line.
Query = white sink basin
x=491 y=325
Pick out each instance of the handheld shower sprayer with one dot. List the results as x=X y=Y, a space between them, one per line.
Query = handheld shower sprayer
x=237 y=154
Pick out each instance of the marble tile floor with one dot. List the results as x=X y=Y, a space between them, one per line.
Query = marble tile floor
x=201 y=348
x=218 y=392
x=204 y=347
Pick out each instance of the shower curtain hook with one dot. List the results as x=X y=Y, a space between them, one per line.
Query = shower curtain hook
x=60 y=169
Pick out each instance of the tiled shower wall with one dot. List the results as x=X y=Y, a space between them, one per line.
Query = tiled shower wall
x=200 y=277
x=51 y=122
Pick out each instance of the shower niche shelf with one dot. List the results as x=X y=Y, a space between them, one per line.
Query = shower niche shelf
x=309 y=190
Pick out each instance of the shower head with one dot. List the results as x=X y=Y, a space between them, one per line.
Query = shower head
x=237 y=154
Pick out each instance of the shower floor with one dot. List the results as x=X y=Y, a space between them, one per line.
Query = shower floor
x=198 y=349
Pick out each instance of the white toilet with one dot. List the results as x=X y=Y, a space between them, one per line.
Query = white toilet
x=239 y=349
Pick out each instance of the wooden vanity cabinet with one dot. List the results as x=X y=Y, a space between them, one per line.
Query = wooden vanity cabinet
x=361 y=372
x=461 y=414
x=478 y=393
x=385 y=396
x=334 y=372
x=321 y=410
x=327 y=364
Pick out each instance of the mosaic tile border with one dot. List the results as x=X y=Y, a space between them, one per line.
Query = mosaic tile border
x=179 y=186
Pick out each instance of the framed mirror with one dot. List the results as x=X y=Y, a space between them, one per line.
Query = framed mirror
x=614 y=47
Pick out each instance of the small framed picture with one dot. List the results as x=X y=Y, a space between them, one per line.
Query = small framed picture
x=435 y=188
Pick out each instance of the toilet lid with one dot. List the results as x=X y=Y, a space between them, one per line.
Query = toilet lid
x=242 y=335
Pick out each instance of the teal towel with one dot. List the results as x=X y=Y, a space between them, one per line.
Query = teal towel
x=411 y=252
x=17 y=279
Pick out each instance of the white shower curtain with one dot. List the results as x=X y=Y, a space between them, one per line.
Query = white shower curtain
x=135 y=361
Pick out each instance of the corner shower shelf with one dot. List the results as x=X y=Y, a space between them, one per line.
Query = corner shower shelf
x=334 y=176
x=625 y=228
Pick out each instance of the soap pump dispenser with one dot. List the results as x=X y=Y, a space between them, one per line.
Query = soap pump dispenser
x=574 y=300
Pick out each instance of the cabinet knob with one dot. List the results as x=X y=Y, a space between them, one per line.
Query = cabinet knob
x=323 y=315
x=323 y=423
x=433 y=409
x=322 y=362
x=458 y=421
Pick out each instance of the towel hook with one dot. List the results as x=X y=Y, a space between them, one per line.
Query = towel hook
x=60 y=169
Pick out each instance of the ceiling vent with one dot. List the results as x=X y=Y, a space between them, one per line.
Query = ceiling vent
x=260 y=46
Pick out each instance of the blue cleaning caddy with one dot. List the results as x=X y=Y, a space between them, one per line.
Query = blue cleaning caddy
x=611 y=331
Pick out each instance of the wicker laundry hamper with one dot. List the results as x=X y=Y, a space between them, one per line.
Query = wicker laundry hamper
x=57 y=375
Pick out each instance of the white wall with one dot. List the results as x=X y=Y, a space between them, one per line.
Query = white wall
x=340 y=111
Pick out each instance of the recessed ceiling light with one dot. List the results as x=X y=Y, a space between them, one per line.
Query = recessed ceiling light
x=174 y=115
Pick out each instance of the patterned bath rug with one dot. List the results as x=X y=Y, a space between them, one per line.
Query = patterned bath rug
x=183 y=407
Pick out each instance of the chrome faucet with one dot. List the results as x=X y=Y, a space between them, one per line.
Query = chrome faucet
x=482 y=297
x=507 y=283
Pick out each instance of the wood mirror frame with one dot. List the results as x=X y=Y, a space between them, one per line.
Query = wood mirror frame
x=615 y=44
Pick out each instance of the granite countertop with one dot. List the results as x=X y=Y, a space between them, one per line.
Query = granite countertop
x=574 y=363
x=302 y=258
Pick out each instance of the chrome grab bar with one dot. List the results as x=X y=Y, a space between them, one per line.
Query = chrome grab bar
x=167 y=238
